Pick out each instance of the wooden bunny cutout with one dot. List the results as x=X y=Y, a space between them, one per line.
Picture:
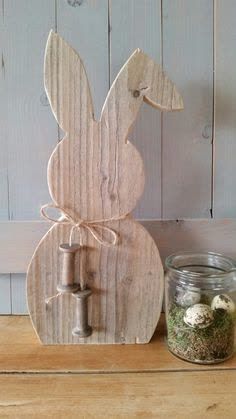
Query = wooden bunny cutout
x=95 y=178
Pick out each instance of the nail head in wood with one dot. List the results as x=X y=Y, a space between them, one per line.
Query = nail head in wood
x=136 y=93
x=207 y=131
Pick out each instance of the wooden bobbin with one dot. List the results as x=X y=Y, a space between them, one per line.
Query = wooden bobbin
x=67 y=284
x=82 y=329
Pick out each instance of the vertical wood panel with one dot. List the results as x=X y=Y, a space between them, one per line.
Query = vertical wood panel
x=19 y=305
x=137 y=24
x=34 y=125
x=30 y=129
x=187 y=136
x=85 y=27
x=5 y=294
x=5 y=280
x=225 y=109
x=179 y=166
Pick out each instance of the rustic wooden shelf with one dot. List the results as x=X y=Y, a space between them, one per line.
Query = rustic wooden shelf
x=107 y=381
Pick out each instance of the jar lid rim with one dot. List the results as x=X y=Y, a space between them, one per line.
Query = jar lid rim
x=169 y=260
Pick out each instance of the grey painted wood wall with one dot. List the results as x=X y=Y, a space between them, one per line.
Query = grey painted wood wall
x=189 y=156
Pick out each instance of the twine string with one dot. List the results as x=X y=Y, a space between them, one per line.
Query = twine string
x=58 y=294
x=49 y=299
x=94 y=227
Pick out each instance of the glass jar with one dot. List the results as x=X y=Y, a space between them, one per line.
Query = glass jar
x=200 y=297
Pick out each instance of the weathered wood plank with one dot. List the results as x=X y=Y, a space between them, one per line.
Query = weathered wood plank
x=201 y=394
x=5 y=280
x=114 y=174
x=25 y=354
x=5 y=294
x=85 y=28
x=18 y=294
x=20 y=239
x=29 y=128
x=219 y=235
x=96 y=174
x=194 y=235
x=187 y=137
x=225 y=109
x=126 y=283
x=137 y=24
x=4 y=207
x=27 y=160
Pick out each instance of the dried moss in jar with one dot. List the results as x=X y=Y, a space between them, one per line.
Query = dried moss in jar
x=200 y=295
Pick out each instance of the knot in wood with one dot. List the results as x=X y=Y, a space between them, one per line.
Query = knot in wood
x=136 y=93
x=74 y=3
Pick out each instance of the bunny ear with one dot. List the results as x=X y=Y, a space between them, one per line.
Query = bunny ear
x=159 y=91
x=66 y=85
x=139 y=79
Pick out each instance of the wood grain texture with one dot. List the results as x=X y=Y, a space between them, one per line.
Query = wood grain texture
x=24 y=26
x=18 y=294
x=225 y=108
x=153 y=395
x=126 y=282
x=74 y=24
x=4 y=204
x=20 y=238
x=31 y=130
x=5 y=293
x=5 y=280
x=28 y=130
x=194 y=235
x=112 y=381
x=25 y=354
x=96 y=173
x=140 y=27
x=98 y=151
x=187 y=137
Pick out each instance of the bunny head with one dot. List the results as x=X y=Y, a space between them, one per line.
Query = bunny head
x=95 y=172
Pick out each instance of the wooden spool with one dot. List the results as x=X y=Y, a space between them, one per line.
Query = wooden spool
x=95 y=173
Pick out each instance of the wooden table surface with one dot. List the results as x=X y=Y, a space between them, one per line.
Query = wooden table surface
x=107 y=381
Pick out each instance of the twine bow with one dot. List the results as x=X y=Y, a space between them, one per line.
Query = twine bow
x=92 y=226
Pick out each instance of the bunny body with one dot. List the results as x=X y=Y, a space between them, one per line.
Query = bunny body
x=126 y=283
x=95 y=173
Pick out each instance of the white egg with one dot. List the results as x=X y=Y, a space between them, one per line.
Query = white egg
x=199 y=315
x=224 y=302
x=187 y=298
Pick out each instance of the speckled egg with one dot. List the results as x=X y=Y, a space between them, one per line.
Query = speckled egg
x=223 y=302
x=199 y=316
x=187 y=298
